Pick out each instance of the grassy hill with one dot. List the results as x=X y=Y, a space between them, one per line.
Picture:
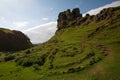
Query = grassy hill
x=11 y=40
x=79 y=52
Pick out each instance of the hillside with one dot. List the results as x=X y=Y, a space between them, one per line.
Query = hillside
x=13 y=40
x=83 y=48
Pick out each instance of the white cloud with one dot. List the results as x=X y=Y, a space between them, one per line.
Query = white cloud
x=20 y=24
x=97 y=10
x=3 y=20
x=45 y=19
x=41 y=33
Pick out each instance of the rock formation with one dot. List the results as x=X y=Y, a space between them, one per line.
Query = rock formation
x=69 y=18
x=104 y=14
x=13 y=40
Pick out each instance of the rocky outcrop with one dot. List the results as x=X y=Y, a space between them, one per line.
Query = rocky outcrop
x=104 y=14
x=84 y=20
x=69 y=18
x=13 y=40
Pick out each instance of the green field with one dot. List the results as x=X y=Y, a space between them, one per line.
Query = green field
x=85 y=52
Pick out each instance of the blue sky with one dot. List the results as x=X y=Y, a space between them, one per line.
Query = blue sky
x=25 y=15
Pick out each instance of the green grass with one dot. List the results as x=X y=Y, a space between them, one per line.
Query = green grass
x=6 y=30
x=71 y=48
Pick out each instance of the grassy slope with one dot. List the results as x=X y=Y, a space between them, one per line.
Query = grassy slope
x=6 y=30
x=68 y=49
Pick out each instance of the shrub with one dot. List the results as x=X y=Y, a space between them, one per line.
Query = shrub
x=54 y=51
x=18 y=70
x=71 y=70
x=27 y=52
x=90 y=54
x=51 y=57
x=30 y=60
x=36 y=67
x=9 y=57
x=26 y=62
x=50 y=66
x=92 y=61
x=74 y=48
x=41 y=59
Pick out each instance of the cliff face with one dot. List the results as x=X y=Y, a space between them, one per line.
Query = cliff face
x=13 y=40
x=66 y=18
x=73 y=18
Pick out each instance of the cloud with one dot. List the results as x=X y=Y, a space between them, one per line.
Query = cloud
x=20 y=24
x=45 y=19
x=97 y=10
x=3 y=20
x=41 y=33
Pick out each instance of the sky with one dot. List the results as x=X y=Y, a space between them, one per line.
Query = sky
x=38 y=18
